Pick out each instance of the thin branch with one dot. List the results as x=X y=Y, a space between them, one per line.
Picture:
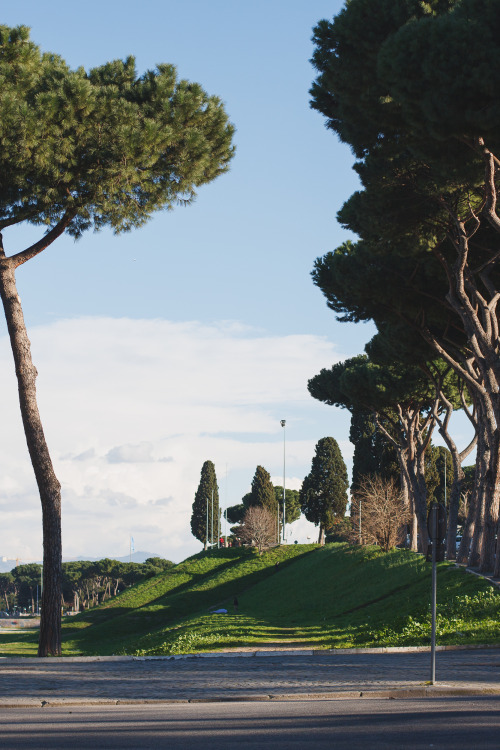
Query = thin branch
x=23 y=216
x=19 y=258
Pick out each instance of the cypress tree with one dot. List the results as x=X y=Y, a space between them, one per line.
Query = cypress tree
x=372 y=454
x=206 y=506
x=324 y=491
x=262 y=492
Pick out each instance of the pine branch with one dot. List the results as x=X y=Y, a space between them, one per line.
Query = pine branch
x=19 y=258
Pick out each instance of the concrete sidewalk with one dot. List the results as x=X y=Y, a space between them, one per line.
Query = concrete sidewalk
x=252 y=675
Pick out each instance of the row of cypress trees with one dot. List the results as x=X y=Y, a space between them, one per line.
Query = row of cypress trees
x=322 y=498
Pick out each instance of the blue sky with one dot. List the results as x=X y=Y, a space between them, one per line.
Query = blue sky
x=190 y=338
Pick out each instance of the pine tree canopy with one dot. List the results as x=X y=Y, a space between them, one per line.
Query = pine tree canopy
x=373 y=454
x=103 y=148
x=292 y=503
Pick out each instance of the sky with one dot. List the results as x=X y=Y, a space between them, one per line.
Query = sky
x=190 y=338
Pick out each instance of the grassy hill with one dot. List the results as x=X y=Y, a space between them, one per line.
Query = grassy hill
x=298 y=595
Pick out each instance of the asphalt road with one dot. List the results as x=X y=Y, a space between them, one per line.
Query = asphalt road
x=373 y=724
x=271 y=676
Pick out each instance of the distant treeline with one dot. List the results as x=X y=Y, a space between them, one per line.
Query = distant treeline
x=85 y=583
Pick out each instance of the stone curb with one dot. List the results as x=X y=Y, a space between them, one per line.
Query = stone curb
x=420 y=691
x=246 y=654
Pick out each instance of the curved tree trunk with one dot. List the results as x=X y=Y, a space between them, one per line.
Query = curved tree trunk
x=468 y=530
x=48 y=485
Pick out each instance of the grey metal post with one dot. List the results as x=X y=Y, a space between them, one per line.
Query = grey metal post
x=360 y=521
x=283 y=423
x=445 y=505
x=434 y=534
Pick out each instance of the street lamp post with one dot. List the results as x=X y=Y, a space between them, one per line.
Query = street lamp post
x=445 y=505
x=206 y=528
x=218 y=520
x=283 y=423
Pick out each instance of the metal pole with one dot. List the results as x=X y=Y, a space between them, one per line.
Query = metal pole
x=283 y=423
x=225 y=514
x=434 y=529
x=445 y=481
x=278 y=521
x=360 y=521
x=212 y=520
x=218 y=524
x=206 y=529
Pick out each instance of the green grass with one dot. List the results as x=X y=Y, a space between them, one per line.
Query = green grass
x=298 y=595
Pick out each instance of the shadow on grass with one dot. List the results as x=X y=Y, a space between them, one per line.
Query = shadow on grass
x=19 y=643
x=168 y=610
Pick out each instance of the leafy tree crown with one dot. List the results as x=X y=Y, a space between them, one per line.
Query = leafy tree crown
x=106 y=147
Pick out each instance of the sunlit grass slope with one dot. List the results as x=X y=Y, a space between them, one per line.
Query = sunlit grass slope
x=344 y=597
x=158 y=606
x=334 y=596
x=298 y=595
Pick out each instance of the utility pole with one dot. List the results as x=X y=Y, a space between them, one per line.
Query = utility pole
x=206 y=529
x=360 y=536
x=445 y=481
x=283 y=423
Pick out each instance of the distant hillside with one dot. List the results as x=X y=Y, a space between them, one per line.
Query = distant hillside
x=323 y=597
x=7 y=565
x=135 y=557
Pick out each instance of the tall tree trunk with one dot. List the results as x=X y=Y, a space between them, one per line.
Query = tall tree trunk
x=321 y=536
x=453 y=508
x=496 y=569
x=48 y=485
x=492 y=488
x=414 y=533
x=419 y=494
x=468 y=530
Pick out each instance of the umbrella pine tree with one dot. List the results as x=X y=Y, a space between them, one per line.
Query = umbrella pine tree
x=79 y=151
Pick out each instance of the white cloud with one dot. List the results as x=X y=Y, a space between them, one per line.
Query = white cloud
x=132 y=409
x=122 y=454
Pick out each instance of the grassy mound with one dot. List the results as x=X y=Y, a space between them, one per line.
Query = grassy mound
x=339 y=597
x=299 y=595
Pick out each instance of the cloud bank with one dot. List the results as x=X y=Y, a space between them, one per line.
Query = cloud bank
x=131 y=410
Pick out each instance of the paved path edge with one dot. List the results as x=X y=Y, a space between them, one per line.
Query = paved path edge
x=419 y=691
x=247 y=653
x=251 y=653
